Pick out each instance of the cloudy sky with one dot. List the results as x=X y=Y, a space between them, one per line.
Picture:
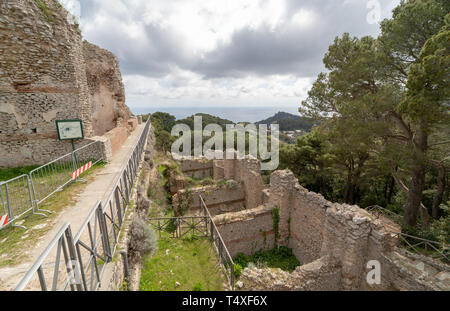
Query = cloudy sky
x=214 y=53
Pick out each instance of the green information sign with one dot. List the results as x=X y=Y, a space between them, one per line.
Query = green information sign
x=69 y=129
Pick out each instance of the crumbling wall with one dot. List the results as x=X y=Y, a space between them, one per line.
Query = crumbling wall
x=43 y=79
x=248 y=172
x=322 y=274
x=197 y=168
x=316 y=228
x=219 y=200
x=334 y=242
x=107 y=93
x=247 y=231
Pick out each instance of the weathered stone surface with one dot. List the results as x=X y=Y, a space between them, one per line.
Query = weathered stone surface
x=107 y=93
x=43 y=78
x=334 y=242
x=322 y=274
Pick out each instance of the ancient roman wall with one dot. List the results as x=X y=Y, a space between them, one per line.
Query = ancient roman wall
x=348 y=237
x=43 y=78
x=107 y=93
x=219 y=200
x=197 y=168
x=247 y=231
x=323 y=274
x=246 y=171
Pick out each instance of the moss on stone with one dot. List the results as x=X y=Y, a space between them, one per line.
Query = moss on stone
x=42 y=5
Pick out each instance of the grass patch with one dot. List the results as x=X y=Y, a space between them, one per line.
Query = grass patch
x=10 y=173
x=158 y=190
x=281 y=257
x=191 y=262
x=13 y=240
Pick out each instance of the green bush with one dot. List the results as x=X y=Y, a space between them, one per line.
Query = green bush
x=237 y=270
x=171 y=225
x=281 y=257
x=143 y=239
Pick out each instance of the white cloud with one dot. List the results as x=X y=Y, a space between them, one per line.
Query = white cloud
x=233 y=52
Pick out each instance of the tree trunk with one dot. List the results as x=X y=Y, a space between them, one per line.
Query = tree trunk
x=440 y=190
x=415 y=195
x=390 y=191
x=348 y=193
x=418 y=179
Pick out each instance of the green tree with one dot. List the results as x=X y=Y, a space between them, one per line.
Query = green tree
x=309 y=161
x=427 y=104
x=370 y=83
x=166 y=121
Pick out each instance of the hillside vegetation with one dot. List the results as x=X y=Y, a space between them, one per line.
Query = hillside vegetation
x=206 y=119
x=289 y=122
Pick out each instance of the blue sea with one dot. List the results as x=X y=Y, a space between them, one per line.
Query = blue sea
x=235 y=114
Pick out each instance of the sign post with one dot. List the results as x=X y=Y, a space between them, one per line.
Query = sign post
x=70 y=130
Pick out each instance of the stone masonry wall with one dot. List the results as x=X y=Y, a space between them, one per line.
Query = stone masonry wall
x=218 y=199
x=319 y=275
x=197 y=168
x=42 y=79
x=333 y=241
x=246 y=171
x=107 y=93
x=247 y=231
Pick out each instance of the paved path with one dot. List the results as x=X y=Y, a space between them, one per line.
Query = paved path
x=99 y=189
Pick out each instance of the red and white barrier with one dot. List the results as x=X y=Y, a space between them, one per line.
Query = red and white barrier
x=81 y=170
x=4 y=221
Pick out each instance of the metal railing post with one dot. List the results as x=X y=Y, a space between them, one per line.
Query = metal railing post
x=126 y=268
x=8 y=203
x=33 y=200
x=119 y=210
x=73 y=258
x=104 y=232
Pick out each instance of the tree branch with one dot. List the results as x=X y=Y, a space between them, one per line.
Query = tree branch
x=440 y=143
x=401 y=123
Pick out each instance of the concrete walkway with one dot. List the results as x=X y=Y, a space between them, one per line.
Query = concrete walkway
x=99 y=189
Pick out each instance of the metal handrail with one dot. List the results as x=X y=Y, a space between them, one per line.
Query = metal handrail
x=403 y=236
x=38 y=263
x=99 y=240
x=221 y=246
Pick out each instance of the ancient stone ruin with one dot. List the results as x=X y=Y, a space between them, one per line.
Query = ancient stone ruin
x=48 y=73
x=334 y=242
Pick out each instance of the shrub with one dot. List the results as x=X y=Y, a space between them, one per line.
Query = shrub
x=237 y=270
x=143 y=239
x=197 y=287
x=280 y=257
x=232 y=184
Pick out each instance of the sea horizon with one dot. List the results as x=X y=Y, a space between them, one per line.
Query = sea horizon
x=235 y=114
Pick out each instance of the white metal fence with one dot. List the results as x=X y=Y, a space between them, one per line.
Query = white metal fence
x=16 y=198
x=78 y=263
x=21 y=196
